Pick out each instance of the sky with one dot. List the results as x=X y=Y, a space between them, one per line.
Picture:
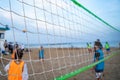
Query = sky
x=59 y=21
x=108 y=10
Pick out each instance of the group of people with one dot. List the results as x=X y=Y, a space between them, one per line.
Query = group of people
x=107 y=47
x=17 y=68
x=9 y=47
x=98 y=55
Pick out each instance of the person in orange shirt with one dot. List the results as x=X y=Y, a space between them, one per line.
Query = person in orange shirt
x=17 y=69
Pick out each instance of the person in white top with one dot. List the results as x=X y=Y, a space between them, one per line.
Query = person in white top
x=17 y=67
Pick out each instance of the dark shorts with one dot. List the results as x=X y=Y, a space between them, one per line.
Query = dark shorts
x=99 y=70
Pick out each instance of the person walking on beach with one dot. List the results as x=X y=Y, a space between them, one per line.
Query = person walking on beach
x=98 y=55
x=41 y=54
x=6 y=45
x=17 y=68
x=107 y=47
x=89 y=47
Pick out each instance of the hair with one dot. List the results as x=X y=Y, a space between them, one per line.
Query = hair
x=98 y=40
x=41 y=47
x=19 y=54
x=98 y=44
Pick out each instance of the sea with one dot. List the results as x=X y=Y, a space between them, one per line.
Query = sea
x=69 y=45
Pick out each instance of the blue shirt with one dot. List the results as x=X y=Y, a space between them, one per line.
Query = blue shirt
x=41 y=53
x=99 y=66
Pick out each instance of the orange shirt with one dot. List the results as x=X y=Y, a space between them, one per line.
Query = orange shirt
x=15 y=70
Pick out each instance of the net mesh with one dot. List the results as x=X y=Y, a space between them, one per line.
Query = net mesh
x=61 y=27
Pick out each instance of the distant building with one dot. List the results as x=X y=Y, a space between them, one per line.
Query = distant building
x=2 y=36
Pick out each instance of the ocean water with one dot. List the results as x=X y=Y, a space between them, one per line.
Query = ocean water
x=68 y=45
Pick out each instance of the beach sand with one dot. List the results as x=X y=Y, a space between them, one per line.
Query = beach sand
x=59 y=61
x=111 y=72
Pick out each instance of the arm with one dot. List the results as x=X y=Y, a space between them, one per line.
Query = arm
x=25 y=73
x=96 y=58
x=97 y=55
x=7 y=67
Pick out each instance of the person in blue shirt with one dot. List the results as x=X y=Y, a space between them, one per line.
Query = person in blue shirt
x=98 y=55
x=41 y=54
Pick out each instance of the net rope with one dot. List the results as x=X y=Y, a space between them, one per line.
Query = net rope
x=57 y=25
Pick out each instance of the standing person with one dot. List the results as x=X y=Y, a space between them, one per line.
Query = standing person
x=17 y=68
x=10 y=47
x=6 y=45
x=89 y=47
x=41 y=53
x=107 y=47
x=99 y=55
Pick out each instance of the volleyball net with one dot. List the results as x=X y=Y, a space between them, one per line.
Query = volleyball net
x=62 y=27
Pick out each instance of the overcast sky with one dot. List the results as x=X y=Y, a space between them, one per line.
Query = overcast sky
x=60 y=21
x=108 y=10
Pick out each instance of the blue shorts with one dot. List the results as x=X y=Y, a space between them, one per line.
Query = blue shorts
x=41 y=55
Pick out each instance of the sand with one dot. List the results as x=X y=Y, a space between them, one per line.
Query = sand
x=60 y=61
